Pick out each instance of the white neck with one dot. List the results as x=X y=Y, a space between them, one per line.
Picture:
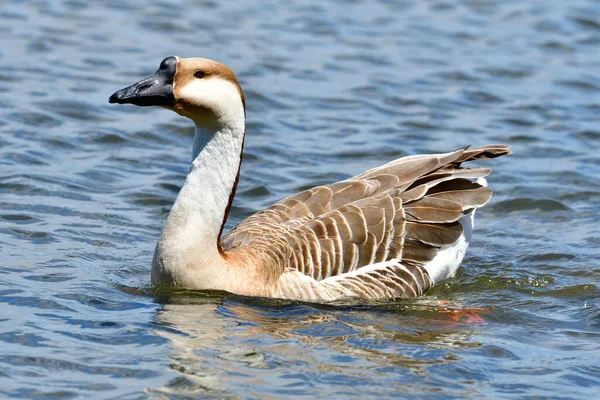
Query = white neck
x=188 y=248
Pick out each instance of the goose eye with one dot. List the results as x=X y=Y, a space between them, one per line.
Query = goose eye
x=199 y=74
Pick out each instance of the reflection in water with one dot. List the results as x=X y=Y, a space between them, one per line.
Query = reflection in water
x=228 y=344
x=194 y=330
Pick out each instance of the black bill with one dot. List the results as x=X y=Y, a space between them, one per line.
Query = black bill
x=156 y=90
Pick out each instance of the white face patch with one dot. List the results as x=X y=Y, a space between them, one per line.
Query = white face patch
x=218 y=96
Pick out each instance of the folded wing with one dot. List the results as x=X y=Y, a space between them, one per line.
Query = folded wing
x=405 y=211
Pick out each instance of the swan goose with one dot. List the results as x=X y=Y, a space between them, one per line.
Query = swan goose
x=392 y=231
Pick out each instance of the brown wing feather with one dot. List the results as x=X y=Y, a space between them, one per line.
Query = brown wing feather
x=392 y=279
x=407 y=209
x=433 y=210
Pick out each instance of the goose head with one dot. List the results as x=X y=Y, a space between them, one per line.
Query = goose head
x=203 y=90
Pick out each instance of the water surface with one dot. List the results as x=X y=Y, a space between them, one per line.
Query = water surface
x=332 y=89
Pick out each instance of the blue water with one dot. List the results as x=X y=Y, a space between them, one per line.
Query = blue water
x=332 y=88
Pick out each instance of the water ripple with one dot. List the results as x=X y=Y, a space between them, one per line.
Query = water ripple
x=332 y=88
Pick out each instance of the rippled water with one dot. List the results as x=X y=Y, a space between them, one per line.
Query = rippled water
x=332 y=89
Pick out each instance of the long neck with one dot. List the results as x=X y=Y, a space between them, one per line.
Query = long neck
x=190 y=237
x=210 y=186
